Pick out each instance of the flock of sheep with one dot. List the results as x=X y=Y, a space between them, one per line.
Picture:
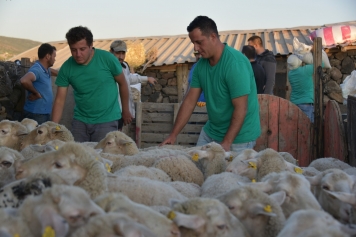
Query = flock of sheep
x=53 y=186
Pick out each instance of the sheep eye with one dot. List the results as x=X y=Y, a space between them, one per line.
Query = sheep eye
x=3 y=131
x=6 y=163
x=221 y=227
x=231 y=207
x=108 y=143
x=39 y=132
x=58 y=165
x=325 y=187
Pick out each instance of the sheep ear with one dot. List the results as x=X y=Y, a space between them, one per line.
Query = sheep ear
x=51 y=220
x=173 y=202
x=258 y=209
x=98 y=150
x=279 y=197
x=343 y=196
x=57 y=129
x=314 y=180
x=38 y=148
x=49 y=148
x=124 y=142
x=188 y=221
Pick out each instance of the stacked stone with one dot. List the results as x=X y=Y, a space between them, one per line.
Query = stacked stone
x=165 y=91
x=342 y=64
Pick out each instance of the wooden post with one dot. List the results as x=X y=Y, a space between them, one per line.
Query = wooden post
x=25 y=64
x=182 y=80
x=288 y=87
x=318 y=101
x=351 y=129
x=138 y=123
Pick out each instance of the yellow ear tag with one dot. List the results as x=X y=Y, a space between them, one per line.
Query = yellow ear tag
x=58 y=128
x=252 y=165
x=49 y=232
x=171 y=215
x=195 y=157
x=298 y=170
x=56 y=147
x=16 y=235
x=267 y=209
x=253 y=180
x=108 y=168
x=230 y=158
x=96 y=158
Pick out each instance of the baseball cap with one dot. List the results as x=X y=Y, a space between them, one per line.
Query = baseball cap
x=118 y=45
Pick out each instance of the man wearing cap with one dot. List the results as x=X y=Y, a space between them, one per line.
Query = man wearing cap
x=118 y=48
x=93 y=74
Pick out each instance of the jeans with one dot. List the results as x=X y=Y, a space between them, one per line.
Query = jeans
x=205 y=139
x=40 y=118
x=84 y=132
x=308 y=109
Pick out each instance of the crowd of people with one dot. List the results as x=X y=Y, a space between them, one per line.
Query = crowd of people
x=223 y=79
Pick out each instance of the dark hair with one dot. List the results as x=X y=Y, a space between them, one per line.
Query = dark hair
x=78 y=33
x=256 y=39
x=249 y=51
x=45 y=49
x=205 y=24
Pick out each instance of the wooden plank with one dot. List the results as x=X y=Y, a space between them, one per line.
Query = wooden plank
x=187 y=138
x=351 y=129
x=192 y=128
x=304 y=140
x=334 y=132
x=288 y=122
x=318 y=100
x=168 y=107
x=153 y=137
x=138 y=123
x=261 y=142
x=157 y=117
x=199 y=118
x=273 y=122
x=156 y=127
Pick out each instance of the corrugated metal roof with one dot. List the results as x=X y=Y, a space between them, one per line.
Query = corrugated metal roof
x=179 y=49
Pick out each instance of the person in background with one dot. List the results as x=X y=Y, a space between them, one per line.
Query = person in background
x=93 y=74
x=201 y=101
x=267 y=61
x=118 y=48
x=226 y=77
x=38 y=84
x=302 y=84
x=260 y=75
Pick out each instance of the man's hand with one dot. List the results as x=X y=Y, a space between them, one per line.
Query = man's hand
x=34 y=96
x=169 y=140
x=127 y=117
x=151 y=80
x=226 y=146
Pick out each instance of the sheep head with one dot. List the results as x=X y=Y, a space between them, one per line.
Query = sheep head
x=11 y=134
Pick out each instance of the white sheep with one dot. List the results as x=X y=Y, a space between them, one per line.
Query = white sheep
x=310 y=171
x=189 y=190
x=297 y=189
x=11 y=134
x=117 y=142
x=30 y=124
x=112 y=224
x=217 y=184
x=269 y=161
x=323 y=164
x=35 y=150
x=334 y=180
x=8 y=157
x=246 y=168
x=73 y=162
x=143 y=171
x=288 y=157
x=180 y=168
x=260 y=213
x=211 y=157
x=14 y=193
x=310 y=223
x=205 y=217
x=12 y=225
x=46 y=132
x=155 y=221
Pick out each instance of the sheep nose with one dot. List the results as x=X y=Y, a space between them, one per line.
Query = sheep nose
x=19 y=172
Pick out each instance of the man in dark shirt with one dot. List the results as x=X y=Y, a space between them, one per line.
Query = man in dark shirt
x=260 y=75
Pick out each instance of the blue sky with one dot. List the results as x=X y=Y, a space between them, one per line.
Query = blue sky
x=49 y=20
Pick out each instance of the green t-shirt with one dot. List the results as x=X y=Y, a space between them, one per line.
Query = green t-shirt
x=95 y=88
x=301 y=81
x=230 y=78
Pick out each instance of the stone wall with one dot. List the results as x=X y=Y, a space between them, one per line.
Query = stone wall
x=342 y=64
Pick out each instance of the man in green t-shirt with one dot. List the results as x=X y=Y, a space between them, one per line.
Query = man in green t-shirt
x=226 y=77
x=93 y=74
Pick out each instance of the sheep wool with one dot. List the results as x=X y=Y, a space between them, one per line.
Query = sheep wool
x=12 y=134
x=323 y=164
x=8 y=157
x=269 y=161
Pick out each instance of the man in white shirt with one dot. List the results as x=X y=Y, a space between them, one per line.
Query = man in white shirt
x=118 y=48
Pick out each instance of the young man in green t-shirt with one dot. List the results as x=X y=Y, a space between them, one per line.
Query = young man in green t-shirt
x=226 y=77
x=93 y=74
